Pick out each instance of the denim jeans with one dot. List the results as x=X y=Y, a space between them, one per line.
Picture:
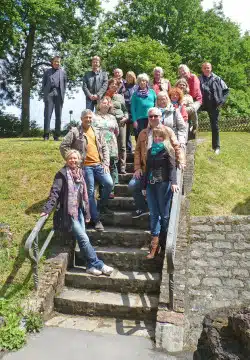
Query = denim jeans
x=135 y=186
x=86 y=249
x=92 y=174
x=159 y=197
x=90 y=104
x=142 y=124
x=213 y=114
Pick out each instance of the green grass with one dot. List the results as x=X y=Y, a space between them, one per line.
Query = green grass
x=222 y=183
x=28 y=167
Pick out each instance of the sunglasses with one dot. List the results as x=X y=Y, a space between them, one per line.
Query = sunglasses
x=153 y=116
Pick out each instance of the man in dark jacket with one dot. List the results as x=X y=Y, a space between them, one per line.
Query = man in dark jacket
x=214 y=92
x=53 y=89
x=95 y=83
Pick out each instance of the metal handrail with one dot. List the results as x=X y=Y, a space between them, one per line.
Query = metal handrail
x=32 y=246
x=173 y=232
x=172 y=235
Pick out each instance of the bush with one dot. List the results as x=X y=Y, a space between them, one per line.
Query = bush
x=11 y=126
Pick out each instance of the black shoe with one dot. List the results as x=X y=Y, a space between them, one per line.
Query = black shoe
x=99 y=226
x=105 y=210
x=46 y=137
x=56 y=138
x=138 y=213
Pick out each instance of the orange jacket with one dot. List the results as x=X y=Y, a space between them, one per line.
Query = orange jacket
x=141 y=149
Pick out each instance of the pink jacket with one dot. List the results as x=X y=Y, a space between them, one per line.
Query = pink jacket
x=194 y=88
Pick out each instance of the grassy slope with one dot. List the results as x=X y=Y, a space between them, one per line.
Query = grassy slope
x=27 y=170
x=222 y=183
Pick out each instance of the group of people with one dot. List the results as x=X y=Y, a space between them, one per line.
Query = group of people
x=95 y=152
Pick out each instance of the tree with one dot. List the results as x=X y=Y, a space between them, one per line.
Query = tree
x=43 y=28
x=142 y=55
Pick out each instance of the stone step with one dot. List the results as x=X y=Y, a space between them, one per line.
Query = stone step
x=125 y=259
x=130 y=158
x=121 y=203
x=102 y=303
x=104 y=325
x=124 y=282
x=125 y=219
x=125 y=178
x=130 y=167
x=118 y=236
x=122 y=190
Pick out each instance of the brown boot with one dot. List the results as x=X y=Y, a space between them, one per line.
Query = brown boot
x=154 y=247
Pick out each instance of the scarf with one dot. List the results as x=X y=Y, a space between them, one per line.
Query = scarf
x=143 y=93
x=157 y=147
x=75 y=190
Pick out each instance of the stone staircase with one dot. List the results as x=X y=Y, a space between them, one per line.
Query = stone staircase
x=127 y=301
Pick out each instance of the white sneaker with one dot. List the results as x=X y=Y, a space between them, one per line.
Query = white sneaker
x=94 y=271
x=217 y=151
x=107 y=270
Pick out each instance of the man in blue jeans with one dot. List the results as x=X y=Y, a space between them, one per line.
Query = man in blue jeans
x=93 y=148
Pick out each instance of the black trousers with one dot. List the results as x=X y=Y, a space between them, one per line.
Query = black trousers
x=213 y=114
x=53 y=102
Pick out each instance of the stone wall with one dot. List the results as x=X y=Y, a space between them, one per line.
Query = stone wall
x=218 y=268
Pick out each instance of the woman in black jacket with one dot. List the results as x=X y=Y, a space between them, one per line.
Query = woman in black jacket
x=160 y=180
x=69 y=195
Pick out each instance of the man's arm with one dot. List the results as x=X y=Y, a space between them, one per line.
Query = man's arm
x=85 y=87
x=104 y=85
x=197 y=90
x=67 y=142
x=137 y=154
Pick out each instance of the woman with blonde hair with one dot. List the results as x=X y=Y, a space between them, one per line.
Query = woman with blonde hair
x=160 y=182
x=70 y=198
x=130 y=87
x=172 y=117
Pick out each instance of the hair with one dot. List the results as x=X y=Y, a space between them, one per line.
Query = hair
x=132 y=74
x=112 y=81
x=160 y=132
x=155 y=109
x=71 y=152
x=85 y=112
x=96 y=57
x=103 y=99
x=206 y=63
x=160 y=69
x=141 y=77
x=183 y=80
x=163 y=93
x=177 y=91
x=55 y=57
x=185 y=67
x=117 y=69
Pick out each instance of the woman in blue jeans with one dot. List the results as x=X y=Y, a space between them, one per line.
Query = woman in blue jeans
x=160 y=176
x=70 y=197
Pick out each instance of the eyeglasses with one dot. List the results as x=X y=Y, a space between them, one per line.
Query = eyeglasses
x=153 y=116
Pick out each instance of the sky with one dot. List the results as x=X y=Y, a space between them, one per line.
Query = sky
x=238 y=11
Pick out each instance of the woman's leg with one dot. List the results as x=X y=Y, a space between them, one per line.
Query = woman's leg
x=114 y=171
x=122 y=148
x=128 y=137
x=86 y=249
x=164 y=198
x=154 y=210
